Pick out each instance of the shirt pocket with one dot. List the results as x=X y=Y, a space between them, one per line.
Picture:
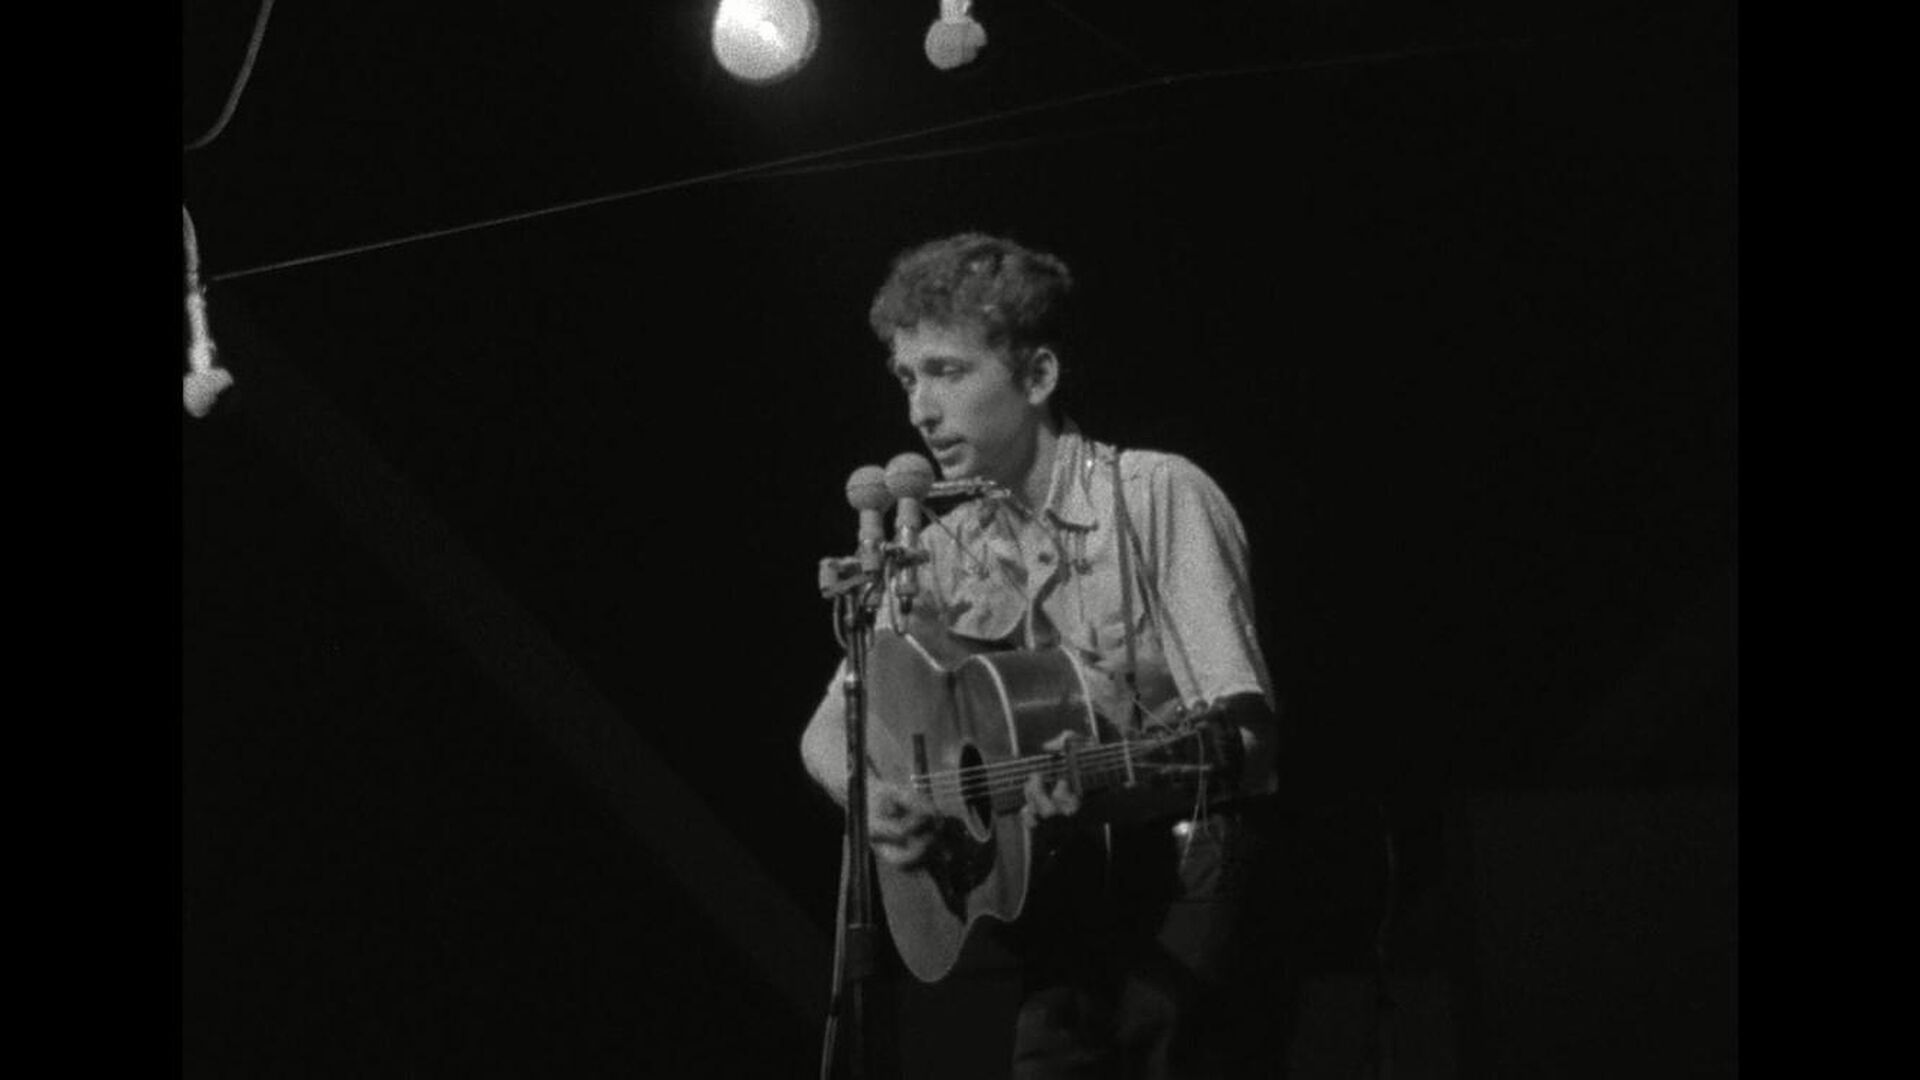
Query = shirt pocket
x=1152 y=680
x=985 y=610
x=1109 y=626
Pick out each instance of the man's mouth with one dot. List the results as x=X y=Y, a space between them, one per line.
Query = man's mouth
x=949 y=457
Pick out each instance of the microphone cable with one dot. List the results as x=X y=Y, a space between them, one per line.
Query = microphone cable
x=1379 y=1049
x=831 y=1035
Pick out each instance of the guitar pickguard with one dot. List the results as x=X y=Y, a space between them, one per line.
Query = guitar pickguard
x=958 y=864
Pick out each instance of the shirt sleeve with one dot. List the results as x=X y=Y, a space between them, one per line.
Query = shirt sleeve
x=1197 y=563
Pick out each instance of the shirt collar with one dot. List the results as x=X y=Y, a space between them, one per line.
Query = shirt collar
x=1069 y=500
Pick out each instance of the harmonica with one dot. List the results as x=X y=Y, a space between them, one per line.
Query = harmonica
x=970 y=488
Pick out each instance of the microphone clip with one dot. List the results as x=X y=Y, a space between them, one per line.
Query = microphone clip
x=839 y=576
x=901 y=556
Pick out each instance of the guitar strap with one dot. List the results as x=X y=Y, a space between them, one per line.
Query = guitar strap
x=1125 y=538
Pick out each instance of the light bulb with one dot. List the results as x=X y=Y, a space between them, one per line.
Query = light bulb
x=763 y=41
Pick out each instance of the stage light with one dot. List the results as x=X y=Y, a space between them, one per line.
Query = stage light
x=954 y=38
x=763 y=41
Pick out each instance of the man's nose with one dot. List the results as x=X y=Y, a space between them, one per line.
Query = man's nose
x=922 y=409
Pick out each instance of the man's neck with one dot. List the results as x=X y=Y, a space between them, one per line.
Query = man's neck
x=1034 y=488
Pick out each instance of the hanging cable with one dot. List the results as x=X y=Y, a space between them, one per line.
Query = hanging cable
x=239 y=84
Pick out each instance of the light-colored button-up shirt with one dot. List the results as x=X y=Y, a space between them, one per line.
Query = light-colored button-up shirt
x=1002 y=573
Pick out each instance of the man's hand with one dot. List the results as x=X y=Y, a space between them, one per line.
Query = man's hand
x=1044 y=803
x=900 y=822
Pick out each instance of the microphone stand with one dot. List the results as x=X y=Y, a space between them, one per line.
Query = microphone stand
x=857 y=598
x=858 y=586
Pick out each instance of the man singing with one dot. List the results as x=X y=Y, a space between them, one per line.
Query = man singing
x=1136 y=563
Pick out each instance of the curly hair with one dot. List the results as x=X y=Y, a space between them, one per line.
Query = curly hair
x=1015 y=296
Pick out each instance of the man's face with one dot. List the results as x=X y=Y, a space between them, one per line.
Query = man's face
x=963 y=399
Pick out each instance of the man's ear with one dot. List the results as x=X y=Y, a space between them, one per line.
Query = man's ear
x=1043 y=375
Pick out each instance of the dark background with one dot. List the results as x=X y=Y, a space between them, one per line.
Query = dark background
x=1442 y=294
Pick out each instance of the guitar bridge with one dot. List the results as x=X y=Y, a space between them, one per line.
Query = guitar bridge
x=922 y=775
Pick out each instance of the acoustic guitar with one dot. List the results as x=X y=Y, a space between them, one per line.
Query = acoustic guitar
x=967 y=729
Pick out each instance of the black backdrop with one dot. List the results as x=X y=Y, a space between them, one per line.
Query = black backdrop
x=1453 y=326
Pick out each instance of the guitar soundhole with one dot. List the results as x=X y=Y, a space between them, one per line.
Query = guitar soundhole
x=976 y=792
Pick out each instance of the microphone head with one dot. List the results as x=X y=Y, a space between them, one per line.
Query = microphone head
x=909 y=476
x=867 y=489
x=201 y=386
x=953 y=42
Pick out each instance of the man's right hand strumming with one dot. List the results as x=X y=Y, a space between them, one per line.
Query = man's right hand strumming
x=900 y=823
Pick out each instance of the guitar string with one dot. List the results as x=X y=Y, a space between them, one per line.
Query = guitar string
x=1009 y=786
x=1017 y=770
x=1099 y=752
x=1015 y=781
x=1007 y=777
x=1096 y=753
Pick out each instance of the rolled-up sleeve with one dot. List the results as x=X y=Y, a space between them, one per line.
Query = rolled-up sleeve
x=1197 y=551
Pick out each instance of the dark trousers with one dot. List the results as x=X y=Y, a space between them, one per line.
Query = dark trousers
x=1158 y=962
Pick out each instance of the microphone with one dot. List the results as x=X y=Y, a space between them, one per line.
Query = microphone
x=954 y=38
x=867 y=492
x=909 y=479
x=206 y=378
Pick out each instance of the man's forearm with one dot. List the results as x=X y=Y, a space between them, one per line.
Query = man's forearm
x=823 y=751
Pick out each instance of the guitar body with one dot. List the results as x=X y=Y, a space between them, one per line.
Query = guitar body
x=965 y=728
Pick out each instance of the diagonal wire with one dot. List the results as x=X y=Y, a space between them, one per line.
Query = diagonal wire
x=1111 y=42
x=744 y=171
x=968 y=150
